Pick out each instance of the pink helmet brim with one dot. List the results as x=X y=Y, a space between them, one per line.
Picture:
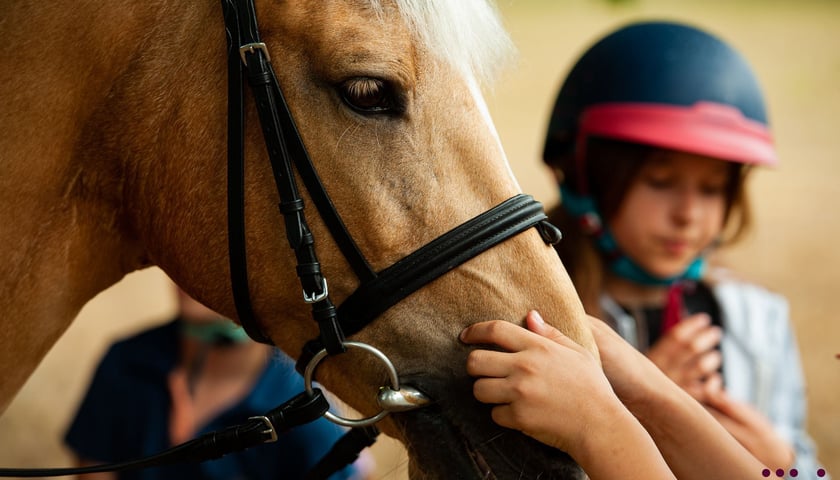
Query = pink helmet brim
x=711 y=129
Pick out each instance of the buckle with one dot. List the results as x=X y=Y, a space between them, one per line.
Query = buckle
x=317 y=297
x=252 y=48
x=271 y=431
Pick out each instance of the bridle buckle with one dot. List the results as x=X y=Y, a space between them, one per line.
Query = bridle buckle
x=251 y=48
x=317 y=297
x=270 y=428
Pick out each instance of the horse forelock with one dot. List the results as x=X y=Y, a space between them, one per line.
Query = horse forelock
x=466 y=33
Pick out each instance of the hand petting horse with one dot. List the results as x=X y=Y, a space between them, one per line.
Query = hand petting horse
x=115 y=121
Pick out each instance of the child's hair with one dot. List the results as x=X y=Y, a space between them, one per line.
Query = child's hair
x=611 y=168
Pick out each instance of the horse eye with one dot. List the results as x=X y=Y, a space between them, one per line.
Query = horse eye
x=368 y=95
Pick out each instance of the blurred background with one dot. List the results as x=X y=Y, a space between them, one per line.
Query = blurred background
x=794 y=46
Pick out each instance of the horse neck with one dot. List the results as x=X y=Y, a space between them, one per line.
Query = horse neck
x=65 y=236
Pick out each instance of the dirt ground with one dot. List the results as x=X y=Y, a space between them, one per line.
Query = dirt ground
x=795 y=49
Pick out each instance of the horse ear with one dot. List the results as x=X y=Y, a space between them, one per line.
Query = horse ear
x=549 y=232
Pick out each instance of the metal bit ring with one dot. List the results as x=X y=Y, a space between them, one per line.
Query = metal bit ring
x=350 y=422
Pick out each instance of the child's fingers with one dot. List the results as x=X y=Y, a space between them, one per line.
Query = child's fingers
x=503 y=415
x=689 y=327
x=492 y=390
x=489 y=363
x=510 y=337
x=707 y=364
x=535 y=323
x=705 y=339
x=712 y=387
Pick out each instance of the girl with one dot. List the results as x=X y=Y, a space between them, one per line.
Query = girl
x=652 y=137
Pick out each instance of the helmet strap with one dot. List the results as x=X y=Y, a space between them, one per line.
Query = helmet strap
x=583 y=208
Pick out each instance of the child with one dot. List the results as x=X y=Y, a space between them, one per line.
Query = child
x=652 y=137
x=195 y=374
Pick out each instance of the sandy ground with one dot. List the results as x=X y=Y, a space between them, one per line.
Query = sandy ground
x=794 y=47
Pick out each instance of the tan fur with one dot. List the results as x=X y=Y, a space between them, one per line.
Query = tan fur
x=113 y=158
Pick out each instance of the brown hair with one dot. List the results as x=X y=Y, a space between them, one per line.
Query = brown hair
x=611 y=166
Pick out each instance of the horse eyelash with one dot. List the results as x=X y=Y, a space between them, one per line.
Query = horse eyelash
x=361 y=86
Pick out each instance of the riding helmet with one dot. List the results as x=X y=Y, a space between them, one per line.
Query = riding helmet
x=666 y=85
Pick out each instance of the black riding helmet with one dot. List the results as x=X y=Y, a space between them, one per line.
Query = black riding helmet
x=665 y=85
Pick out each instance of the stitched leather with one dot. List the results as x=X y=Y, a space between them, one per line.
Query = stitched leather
x=439 y=256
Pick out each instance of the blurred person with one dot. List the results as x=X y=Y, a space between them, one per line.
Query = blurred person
x=652 y=138
x=195 y=374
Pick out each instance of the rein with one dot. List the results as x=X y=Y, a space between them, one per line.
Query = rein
x=377 y=292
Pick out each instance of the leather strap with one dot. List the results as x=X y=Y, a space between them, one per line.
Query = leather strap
x=236 y=179
x=439 y=256
x=377 y=291
x=301 y=409
x=434 y=259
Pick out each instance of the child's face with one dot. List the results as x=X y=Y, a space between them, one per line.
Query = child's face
x=673 y=210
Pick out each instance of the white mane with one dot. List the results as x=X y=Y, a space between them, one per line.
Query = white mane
x=467 y=33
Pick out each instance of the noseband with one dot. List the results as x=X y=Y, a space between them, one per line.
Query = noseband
x=377 y=291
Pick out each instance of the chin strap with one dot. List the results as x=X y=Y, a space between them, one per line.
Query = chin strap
x=583 y=208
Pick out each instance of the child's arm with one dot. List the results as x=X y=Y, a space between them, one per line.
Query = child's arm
x=693 y=443
x=548 y=387
x=554 y=390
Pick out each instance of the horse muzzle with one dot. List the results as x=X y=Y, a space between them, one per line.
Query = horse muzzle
x=456 y=439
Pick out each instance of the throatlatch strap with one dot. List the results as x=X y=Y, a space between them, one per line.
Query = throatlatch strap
x=236 y=179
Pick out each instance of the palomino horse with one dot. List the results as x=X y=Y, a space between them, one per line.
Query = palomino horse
x=114 y=137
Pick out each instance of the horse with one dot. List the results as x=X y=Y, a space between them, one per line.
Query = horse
x=114 y=124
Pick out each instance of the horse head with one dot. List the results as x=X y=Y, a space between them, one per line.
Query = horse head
x=386 y=95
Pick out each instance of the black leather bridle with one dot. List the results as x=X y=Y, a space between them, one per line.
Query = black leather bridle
x=378 y=291
x=249 y=58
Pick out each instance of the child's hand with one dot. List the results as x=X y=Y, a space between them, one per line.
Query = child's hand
x=544 y=384
x=687 y=355
x=182 y=422
x=554 y=390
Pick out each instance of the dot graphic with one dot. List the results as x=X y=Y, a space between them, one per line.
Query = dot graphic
x=780 y=473
x=793 y=472
x=821 y=473
x=765 y=472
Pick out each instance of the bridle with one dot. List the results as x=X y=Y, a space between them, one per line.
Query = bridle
x=249 y=58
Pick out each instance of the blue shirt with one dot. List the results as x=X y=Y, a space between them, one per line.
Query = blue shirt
x=126 y=410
